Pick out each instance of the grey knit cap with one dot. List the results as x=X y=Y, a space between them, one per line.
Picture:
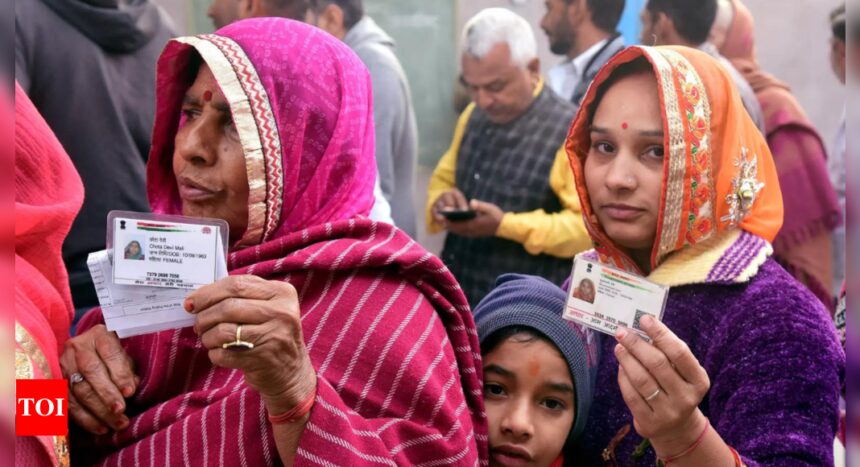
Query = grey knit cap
x=534 y=302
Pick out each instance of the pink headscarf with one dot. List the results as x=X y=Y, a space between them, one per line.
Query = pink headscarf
x=309 y=157
x=48 y=196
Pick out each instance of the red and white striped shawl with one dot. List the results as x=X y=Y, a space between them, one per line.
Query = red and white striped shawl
x=389 y=333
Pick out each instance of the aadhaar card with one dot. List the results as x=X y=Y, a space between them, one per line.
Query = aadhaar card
x=164 y=254
x=605 y=298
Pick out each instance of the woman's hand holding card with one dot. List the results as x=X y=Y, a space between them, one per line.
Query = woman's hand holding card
x=663 y=384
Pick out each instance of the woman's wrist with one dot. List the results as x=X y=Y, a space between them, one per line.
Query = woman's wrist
x=686 y=436
x=279 y=402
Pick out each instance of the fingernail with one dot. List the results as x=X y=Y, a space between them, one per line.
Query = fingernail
x=619 y=348
x=620 y=335
x=122 y=424
x=189 y=305
x=127 y=391
x=117 y=407
x=102 y=430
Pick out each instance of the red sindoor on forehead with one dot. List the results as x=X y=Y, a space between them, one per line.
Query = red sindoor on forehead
x=207 y=95
x=623 y=125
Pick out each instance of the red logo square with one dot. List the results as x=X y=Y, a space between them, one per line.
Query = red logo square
x=41 y=407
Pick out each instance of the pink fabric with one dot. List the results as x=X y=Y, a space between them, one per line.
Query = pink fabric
x=389 y=333
x=388 y=329
x=48 y=196
x=322 y=115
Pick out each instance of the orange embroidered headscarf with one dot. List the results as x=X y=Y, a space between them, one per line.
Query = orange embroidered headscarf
x=718 y=173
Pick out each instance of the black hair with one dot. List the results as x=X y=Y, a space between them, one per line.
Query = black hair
x=837 y=23
x=528 y=334
x=693 y=19
x=633 y=67
x=292 y=9
x=605 y=14
x=353 y=10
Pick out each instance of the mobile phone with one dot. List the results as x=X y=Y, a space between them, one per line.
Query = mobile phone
x=459 y=215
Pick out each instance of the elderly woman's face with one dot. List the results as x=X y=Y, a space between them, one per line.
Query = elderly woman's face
x=208 y=160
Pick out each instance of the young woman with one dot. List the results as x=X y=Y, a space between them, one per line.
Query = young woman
x=678 y=185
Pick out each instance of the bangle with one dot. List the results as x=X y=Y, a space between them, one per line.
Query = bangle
x=667 y=460
x=297 y=412
x=737 y=457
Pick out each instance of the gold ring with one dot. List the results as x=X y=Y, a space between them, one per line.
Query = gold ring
x=238 y=342
x=652 y=396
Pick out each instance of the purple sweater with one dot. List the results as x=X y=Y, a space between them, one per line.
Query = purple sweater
x=775 y=365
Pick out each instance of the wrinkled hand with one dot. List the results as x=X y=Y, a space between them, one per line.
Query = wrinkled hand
x=452 y=200
x=97 y=403
x=485 y=224
x=278 y=367
x=671 y=420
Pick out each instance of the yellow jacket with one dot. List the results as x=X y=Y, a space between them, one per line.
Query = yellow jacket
x=561 y=234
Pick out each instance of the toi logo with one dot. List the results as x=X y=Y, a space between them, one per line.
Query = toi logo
x=41 y=407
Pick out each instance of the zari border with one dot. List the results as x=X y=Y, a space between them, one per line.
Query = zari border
x=701 y=218
x=29 y=354
x=258 y=132
x=677 y=150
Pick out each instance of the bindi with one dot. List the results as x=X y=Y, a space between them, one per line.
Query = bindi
x=623 y=125
x=207 y=96
x=534 y=368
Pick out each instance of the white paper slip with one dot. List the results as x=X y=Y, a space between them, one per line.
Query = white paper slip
x=163 y=254
x=605 y=298
x=131 y=310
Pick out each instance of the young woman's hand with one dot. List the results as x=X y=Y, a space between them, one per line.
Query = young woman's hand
x=663 y=384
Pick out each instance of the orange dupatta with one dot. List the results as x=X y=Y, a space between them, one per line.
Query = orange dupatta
x=719 y=176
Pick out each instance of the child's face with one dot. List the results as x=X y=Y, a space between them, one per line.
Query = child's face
x=529 y=397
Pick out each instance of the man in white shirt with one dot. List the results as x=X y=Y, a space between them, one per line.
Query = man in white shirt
x=585 y=32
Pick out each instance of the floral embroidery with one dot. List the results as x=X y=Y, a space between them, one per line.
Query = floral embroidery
x=745 y=188
x=695 y=109
x=692 y=93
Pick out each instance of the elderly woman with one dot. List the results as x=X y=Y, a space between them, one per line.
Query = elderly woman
x=677 y=184
x=364 y=349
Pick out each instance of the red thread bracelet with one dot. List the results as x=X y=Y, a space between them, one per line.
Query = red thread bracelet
x=297 y=412
x=690 y=449
x=737 y=457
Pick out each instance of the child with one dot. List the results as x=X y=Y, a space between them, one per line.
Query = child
x=539 y=371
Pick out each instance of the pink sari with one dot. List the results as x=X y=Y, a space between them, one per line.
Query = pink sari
x=804 y=245
x=48 y=196
x=388 y=329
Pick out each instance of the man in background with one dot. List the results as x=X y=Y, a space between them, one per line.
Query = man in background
x=393 y=114
x=89 y=68
x=688 y=23
x=584 y=31
x=507 y=165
